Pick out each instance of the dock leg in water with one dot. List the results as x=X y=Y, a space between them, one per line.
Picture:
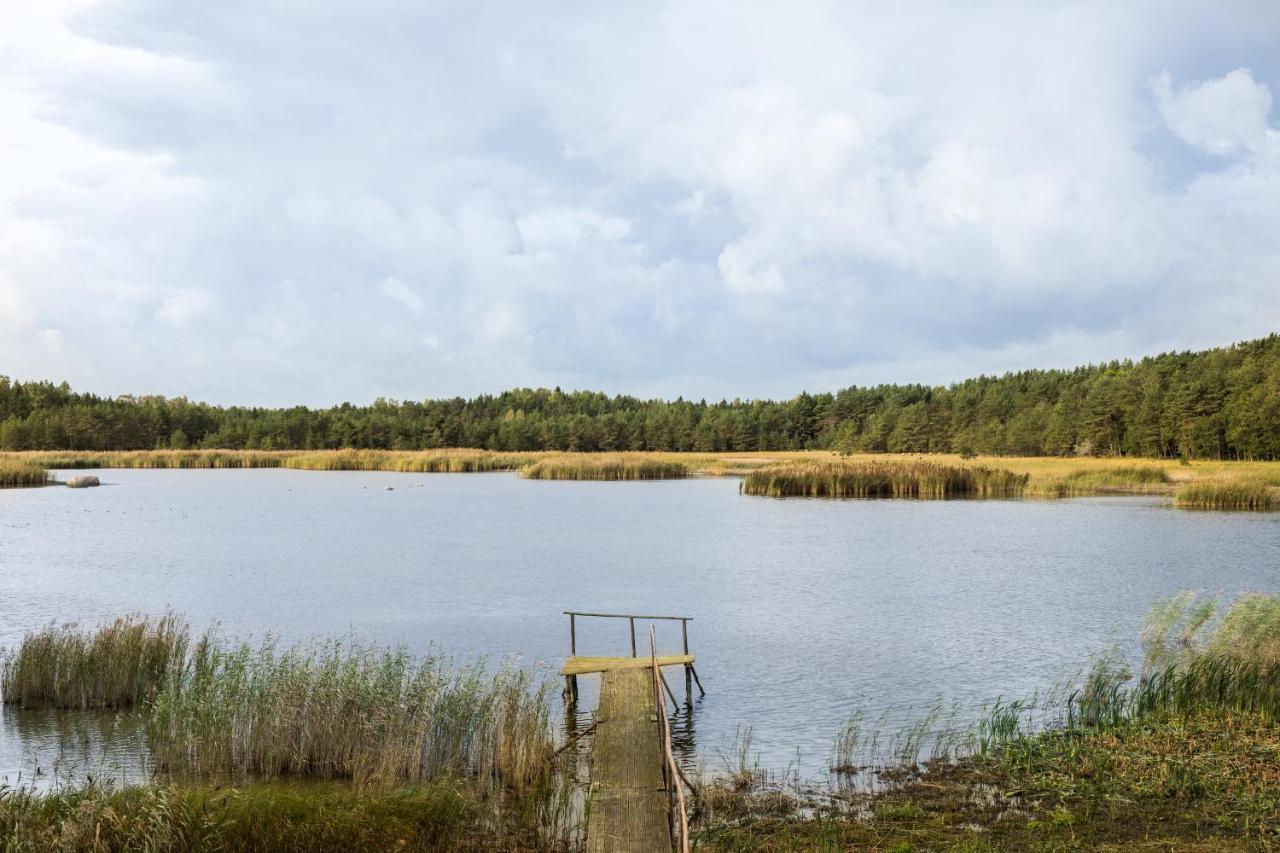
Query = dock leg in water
x=628 y=800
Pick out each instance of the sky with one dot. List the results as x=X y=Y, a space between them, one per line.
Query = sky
x=279 y=202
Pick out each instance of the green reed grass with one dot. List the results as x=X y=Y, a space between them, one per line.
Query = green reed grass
x=263 y=817
x=883 y=480
x=117 y=665
x=21 y=472
x=609 y=466
x=1227 y=495
x=343 y=710
x=1114 y=480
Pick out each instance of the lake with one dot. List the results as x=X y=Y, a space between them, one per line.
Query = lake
x=804 y=610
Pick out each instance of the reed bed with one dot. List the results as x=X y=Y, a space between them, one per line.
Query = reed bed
x=448 y=461
x=22 y=472
x=1227 y=495
x=609 y=466
x=120 y=664
x=332 y=710
x=915 y=479
x=1111 y=480
x=69 y=459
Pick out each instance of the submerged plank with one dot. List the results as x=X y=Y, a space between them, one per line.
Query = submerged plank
x=579 y=665
x=628 y=801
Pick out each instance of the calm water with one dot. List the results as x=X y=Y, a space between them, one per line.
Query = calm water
x=804 y=610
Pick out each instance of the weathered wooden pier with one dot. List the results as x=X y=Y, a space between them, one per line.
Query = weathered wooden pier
x=637 y=789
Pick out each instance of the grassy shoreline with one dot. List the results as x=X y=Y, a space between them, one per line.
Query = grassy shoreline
x=1186 y=756
x=1200 y=484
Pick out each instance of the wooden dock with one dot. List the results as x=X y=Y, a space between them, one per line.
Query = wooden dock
x=628 y=788
x=637 y=799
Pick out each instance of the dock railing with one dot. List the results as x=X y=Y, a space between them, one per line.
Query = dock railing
x=690 y=673
x=677 y=809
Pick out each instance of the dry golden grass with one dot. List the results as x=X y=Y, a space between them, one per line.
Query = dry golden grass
x=605 y=466
x=21 y=472
x=1049 y=476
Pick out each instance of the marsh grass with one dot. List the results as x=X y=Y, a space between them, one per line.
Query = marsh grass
x=15 y=472
x=916 y=479
x=609 y=466
x=343 y=710
x=329 y=745
x=70 y=459
x=263 y=817
x=120 y=664
x=1110 y=480
x=1227 y=496
x=448 y=461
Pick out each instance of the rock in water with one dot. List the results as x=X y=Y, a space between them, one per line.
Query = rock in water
x=83 y=482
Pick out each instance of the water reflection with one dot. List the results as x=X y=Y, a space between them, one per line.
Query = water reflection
x=580 y=718
x=43 y=747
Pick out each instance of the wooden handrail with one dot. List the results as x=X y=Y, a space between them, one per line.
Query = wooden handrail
x=670 y=768
x=626 y=616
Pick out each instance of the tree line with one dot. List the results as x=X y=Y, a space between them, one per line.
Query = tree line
x=1222 y=403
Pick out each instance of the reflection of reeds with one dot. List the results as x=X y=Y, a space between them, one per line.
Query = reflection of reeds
x=883 y=480
x=120 y=664
x=21 y=472
x=1232 y=495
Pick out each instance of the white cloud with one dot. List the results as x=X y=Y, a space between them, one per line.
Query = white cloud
x=183 y=306
x=1226 y=115
x=809 y=196
x=397 y=290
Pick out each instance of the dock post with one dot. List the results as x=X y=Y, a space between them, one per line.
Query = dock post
x=688 y=668
x=571 y=681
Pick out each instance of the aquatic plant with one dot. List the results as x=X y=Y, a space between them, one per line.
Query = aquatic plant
x=277 y=816
x=445 y=461
x=607 y=466
x=119 y=664
x=1227 y=495
x=1112 y=479
x=917 y=479
x=69 y=459
x=343 y=710
x=21 y=472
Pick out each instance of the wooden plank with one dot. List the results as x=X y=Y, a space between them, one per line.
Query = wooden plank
x=579 y=665
x=628 y=802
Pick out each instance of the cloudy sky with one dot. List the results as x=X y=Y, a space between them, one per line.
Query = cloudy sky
x=281 y=201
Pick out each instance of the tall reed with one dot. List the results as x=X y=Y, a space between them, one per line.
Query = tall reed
x=1231 y=495
x=64 y=459
x=605 y=466
x=21 y=472
x=883 y=480
x=1113 y=480
x=445 y=461
x=336 y=710
x=119 y=664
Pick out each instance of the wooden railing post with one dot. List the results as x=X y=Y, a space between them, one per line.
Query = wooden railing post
x=632 y=619
x=688 y=668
